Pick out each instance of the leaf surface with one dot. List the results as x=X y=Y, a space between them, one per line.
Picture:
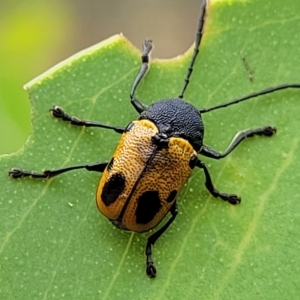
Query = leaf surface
x=54 y=242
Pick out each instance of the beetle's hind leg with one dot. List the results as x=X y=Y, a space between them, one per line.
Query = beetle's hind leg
x=20 y=173
x=150 y=268
x=240 y=136
x=59 y=113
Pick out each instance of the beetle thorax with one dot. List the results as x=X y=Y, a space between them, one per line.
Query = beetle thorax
x=177 y=118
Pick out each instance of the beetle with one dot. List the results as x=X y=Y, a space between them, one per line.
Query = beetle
x=155 y=156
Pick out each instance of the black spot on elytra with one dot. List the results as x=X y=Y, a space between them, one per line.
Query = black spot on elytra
x=112 y=189
x=110 y=164
x=148 y=206
x=172 y=196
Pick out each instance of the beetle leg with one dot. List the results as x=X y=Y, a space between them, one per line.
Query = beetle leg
x=18 y=173
x=240 y=136
x=59 y=113
x=150 y=268
x=231 y=198
x=147 y=47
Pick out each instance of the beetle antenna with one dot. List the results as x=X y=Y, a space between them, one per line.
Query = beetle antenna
x=253 y=95
x=198 y=38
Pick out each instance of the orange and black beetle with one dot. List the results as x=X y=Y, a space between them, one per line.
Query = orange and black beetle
x=155 y=156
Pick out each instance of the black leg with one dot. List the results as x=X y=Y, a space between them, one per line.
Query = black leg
x=147 y=47
x=59 y=113
x=231 y=198
x=18 y=173
x=199 y=35
x=150 y=268
x=240 y=136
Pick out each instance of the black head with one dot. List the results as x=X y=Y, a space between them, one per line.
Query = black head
x=176 y=118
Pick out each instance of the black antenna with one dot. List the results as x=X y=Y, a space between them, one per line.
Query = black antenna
x=253 y=95
x=196 y=49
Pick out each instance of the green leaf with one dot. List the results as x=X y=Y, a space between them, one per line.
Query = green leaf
x=54 y=242
x=27 y=44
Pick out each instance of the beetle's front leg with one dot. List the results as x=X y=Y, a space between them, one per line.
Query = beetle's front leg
x=59 y=113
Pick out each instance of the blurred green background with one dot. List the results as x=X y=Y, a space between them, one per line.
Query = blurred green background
x=35 y=35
